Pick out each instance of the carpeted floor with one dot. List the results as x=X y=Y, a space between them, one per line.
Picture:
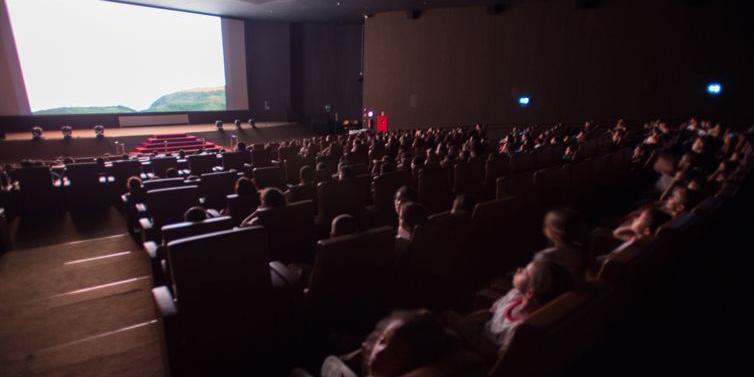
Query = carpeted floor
x=80 y=308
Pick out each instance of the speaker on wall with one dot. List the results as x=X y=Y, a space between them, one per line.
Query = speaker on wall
x=413 y=14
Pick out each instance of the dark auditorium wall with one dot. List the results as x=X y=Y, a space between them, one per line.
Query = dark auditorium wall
x=300 y=67
x=328 y=66
x=268 y=69
x=637 y=59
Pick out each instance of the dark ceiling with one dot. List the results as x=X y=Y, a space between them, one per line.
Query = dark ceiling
x=304 y=10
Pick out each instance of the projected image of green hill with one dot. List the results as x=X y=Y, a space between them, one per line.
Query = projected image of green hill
x=200 y=99
x=86 y=110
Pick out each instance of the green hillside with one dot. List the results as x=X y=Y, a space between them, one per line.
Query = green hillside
x=86 y=110
x=202 y=99
x=199 y=99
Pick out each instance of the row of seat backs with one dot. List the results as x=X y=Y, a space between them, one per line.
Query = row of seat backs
x=567 y=184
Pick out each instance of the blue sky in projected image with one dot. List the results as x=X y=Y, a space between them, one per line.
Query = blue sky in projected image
x=98 y=53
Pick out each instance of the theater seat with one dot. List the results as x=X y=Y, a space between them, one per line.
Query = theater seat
x=156 y=249
x=34 y=190
x=161 y=164
x=236 y=160
x=290 y=231
x=215 y=187
x=272 y=176
x=260 y=156
x=349 y=286
x=121 y=170
x=202 y=163
x=240 y=207
x=221 y=316
x=292 y=165
x=340 y=197
x=469 y=177
x=435 y=187
x=436 y=269
x=384 y=188
x=83 y=187
x=297 y=193
x=167 y=206
x=556 y=334
x=502 y=237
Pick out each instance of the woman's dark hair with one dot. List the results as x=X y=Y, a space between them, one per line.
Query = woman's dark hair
x=407 y=194
x=272 y=197
x=548 y=280
x=133 y=183
x=195 y=214
x=345 y=172
x=464 y=203
x=171 y=173
x=567 y=225
x=422 y=333
x=245 y=186
x=414 y=214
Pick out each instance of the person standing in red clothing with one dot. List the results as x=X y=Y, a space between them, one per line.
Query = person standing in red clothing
x=382 y=122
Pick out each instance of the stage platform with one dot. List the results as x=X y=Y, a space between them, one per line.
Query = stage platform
x=18 y=145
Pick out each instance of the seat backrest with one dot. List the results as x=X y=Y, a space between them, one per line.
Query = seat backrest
x=290 y=231
x=292 y=165
x=124 y=169
x=324 y=175
x=154 y=184
x=435 y=269
x=186 y=229
x=351 y=275
x=235 y=160
x=240 y=207
x=495 y=167
x=520 y=185
x=497 y=227
x=554 y=185
x=340 y=197
x=85 y=174
x=161 y=164
x=216 y=187
x=555 y=334
x=271 y=176
x=359 y=169
x=260 y=157
x=168 y=205
x=582 y=175
x=435 y=187
x=34 y=178
x=522 y=162
x=228 y=287
x=384 y=187
x=469 y=177
x=298 y=193
x=202 y=163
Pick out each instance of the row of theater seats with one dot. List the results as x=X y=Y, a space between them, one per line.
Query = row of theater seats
x=83 y=184
x=447 y=260
x=553 y=337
